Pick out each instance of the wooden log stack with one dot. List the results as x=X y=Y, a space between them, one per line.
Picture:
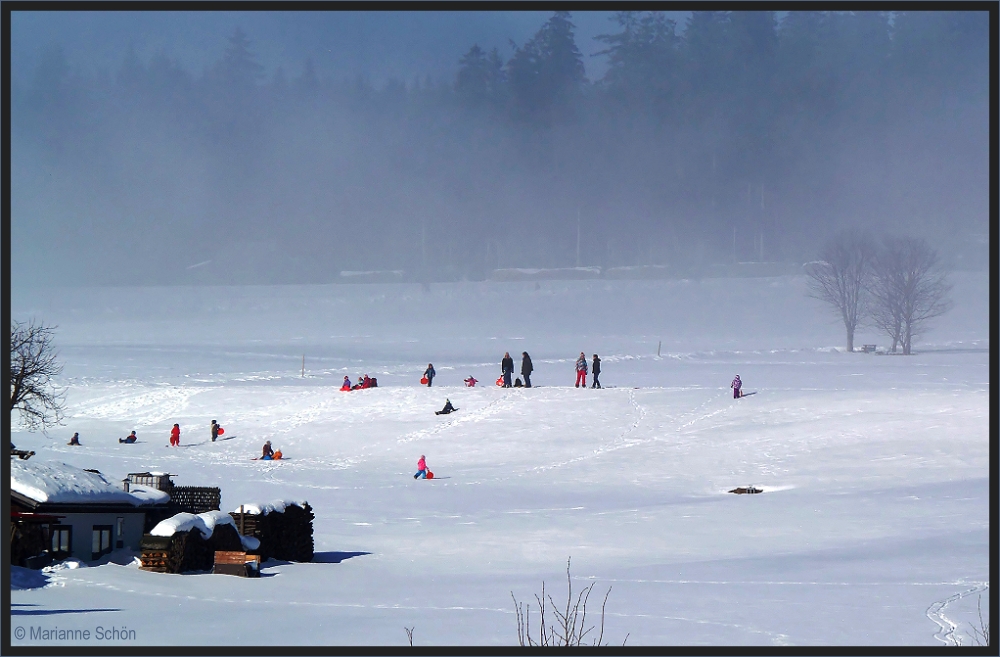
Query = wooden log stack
x=186 y=551
x=284 y=535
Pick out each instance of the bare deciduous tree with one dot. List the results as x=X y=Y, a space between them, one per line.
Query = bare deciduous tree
x=32 y=368
x=841 y=277
x=570 y=627
x=907 y=289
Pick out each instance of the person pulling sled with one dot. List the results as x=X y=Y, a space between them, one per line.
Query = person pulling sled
x=422 y=471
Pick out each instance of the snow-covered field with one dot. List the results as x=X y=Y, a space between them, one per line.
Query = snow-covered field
x=873 y=528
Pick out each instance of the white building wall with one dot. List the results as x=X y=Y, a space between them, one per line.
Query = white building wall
x=83 y=528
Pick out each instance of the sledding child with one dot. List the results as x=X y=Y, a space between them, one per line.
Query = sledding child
x=366 y=383
x=737 y=387
x=267 y=453
x=471 y=382
x=130 y=439
x=448 y=408
x=347 y=385
x=581 y=370
x=75 y=440
x=421 y=468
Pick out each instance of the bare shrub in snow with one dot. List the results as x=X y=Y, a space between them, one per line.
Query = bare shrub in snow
x=570 y=623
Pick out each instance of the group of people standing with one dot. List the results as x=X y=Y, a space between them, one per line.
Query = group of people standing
x=507 y=370
x=581 y=371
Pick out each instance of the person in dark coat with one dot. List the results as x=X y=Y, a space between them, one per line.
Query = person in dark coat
x=267 y=453
x=526 y=368
x=429 y=374
x=215 y=430
x=75 y=440
x=130 y=439
x=448 y=408
x=507 y=367
x=596 y=369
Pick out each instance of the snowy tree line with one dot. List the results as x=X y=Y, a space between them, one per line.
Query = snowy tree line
x=735 y=136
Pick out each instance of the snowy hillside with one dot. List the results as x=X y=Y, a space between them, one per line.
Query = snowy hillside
x=873 y=527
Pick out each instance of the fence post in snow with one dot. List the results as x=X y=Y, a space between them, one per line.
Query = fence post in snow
x=658 y=345
x=303 y=366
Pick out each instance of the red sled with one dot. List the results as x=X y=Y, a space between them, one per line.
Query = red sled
x=430 y=475
x=500 y=381
x=423 y=380
x=221 y=431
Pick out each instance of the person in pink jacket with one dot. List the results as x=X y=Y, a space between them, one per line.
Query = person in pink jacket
x=421 y=468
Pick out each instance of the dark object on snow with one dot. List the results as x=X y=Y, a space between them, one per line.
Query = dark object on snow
x=75 y=440
x=746 y=490
x=448 y=408
x=517 y=383
x=20 y=453
x=234 y=562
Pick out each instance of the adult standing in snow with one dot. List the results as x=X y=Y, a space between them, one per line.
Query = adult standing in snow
x=421 y=468
x=581 y=370
x=215 y=430
x=429 y=374
x=175 y=436
x=597 y=372
x=507 y=367
x=737 y=387
x=526 y=368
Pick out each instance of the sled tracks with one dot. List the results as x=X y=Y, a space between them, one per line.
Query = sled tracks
x=946 y=632
x=621 y=441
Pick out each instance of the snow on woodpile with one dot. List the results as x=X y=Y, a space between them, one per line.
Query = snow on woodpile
x=55 y=482
x=185 y=522
x=264 y=508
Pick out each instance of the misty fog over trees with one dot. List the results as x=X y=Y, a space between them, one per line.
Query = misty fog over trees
x=733 y=136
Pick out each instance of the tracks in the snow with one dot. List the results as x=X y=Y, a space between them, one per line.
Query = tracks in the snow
x=946 y=626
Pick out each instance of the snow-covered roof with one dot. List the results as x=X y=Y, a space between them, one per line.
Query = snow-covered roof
x=60 y=483
x=149 y=495
x=264 y=508
x=185 y=522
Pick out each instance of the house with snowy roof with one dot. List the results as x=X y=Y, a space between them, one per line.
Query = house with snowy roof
x=84 y=514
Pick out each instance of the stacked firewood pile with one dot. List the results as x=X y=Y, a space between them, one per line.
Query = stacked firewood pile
x=187 y=550
x=284 y=535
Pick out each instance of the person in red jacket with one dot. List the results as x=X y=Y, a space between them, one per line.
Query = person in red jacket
x=175 y=435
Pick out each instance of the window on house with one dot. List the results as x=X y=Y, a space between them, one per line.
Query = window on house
x=61 y=541
x=101 y=541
